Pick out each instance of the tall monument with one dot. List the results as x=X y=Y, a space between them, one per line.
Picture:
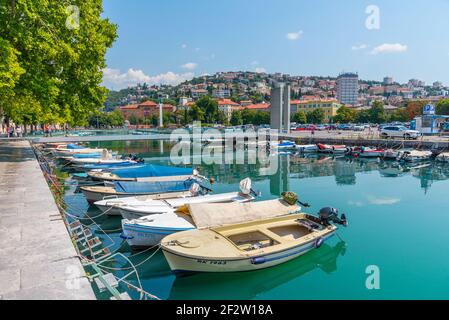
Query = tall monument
x=280 y=107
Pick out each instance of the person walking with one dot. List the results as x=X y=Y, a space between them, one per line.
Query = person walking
x=11 y=132
x=19 y=131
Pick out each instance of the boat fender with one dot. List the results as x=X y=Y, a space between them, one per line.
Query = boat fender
x=258 y=260
x=125 y=237
x=318 y=242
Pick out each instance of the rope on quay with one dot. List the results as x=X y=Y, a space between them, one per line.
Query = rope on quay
x=96 y=263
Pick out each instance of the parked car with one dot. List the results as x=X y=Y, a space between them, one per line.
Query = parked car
x=399 y=132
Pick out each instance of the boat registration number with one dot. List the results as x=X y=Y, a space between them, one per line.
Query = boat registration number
x=217 y=262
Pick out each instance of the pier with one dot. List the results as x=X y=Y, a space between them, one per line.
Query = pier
x=37 y=257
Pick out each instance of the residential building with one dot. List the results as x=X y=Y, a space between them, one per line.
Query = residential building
x=329 y=106
x=221 y=93
x=348 y=88
x=228 y=106
x=198 y=93
x=144 y=110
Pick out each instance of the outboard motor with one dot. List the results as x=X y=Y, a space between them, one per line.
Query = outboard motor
x=329 y=214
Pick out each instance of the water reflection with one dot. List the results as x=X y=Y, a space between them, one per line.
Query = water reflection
x=249 y=285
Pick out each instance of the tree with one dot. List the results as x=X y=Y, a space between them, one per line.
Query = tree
x=316 y=116
x=442 y=107
x=209 y=107
x=363 y=116
x=414 y=108
x=300 y=117
x=116 y=118
x=236 y=118
x=261 y=117
x=399 y=115
x=248 y=116
x=196 y=113
x=345 y=115
x=63 y=58
x=377 y=112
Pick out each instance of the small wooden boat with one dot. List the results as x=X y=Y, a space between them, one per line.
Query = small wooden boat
x=141 y=173
x=335 y=149
x=307 y=148
x=367 y=152
x=246 y=236
x=134 y=208
x=392 y=154
x=123 y=189
x=442 y=157
x=149 y=230
x=416 y=156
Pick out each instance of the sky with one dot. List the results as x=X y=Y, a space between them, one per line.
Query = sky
x=170 y=41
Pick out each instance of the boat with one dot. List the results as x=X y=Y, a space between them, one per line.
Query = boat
x=136 y=207
x=140 y=173
x=335 y=149
x=121 y=189
x=284 y=144
x=247 y=236
x=392 y=154
x=170 y=217
x=307 y=148
x=442 y=157
x=65 y=152
x=367 y=152
x=416 y=156
x=108 y=166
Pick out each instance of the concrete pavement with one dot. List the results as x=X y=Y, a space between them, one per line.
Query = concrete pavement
x=37 y=257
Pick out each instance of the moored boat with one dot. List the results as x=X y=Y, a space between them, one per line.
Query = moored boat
x=416 y=156
x=122 y=189
x=307 y=148
x=367 y=152
x=134 y=208
x=246 y=236
x=442 y=157
x=140 y=173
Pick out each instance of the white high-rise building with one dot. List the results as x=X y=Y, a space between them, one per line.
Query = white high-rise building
x=348 y=88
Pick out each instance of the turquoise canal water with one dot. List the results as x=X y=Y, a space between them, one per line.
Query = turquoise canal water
x=398 y=221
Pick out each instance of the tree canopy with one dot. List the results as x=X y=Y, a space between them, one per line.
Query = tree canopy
x=52 y=56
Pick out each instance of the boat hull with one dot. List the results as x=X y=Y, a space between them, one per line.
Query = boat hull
x=183 y=263
x=143 y=237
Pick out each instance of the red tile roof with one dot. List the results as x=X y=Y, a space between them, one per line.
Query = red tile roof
x=227 y=102
x=258 y=106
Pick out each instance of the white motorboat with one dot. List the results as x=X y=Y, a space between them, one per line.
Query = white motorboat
x=307 y=148
x=172 y=216
x=138 y=206
x=416 y=156
x=443 y=157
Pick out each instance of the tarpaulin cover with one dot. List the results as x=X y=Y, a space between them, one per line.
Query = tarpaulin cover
x=153 y=187
x=110 y=166
x=87 y=155
x=74 y=146
x=151 y=170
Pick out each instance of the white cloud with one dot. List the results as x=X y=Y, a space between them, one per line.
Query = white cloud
x=260 y=70
x=255 y=63
x=189 y=66
x=383 y=200
x=113 y=78
x=359 y=47
x=389 y=48
x=197 y=49
x=183 y=46
x=294 y=35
